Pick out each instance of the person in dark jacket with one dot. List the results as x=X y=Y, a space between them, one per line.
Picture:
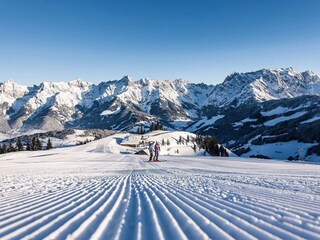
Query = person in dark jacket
x=156 y=151
x=150 y=148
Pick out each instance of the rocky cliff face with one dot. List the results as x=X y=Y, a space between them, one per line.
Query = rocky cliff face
x=239 y=109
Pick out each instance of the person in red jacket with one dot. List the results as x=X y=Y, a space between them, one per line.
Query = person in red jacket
x=156 y=151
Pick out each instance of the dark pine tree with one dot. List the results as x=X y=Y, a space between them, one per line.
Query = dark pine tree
x=33 y=146
x=222 y=151
x=2 y=148
x=19 y=145
x=152 y=127
x=49 y=144
x=38 y=144
x=216 y=150
x=28 y=147
x=195 y=148
x=11 y=148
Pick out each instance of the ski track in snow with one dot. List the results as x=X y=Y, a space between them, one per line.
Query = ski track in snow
x=110 y=196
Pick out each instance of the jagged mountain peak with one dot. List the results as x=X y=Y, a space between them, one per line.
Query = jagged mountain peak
x=79 y=83
x=84 y=104
x=126 y=78
x=10 y=89
x=264 y=85
x=11 y=83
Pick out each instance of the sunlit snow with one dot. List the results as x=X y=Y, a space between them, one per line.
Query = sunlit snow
x=85 y=192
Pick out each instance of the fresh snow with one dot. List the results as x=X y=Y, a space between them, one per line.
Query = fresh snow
x=84 y=192
x=110 y=112
x=204 y=122
x=316 y=118
x=284 y=118
x=3 y=136
x=276 y=111
x=281 y=110
x=280 y=150
x=180 y=124
x=246 y=120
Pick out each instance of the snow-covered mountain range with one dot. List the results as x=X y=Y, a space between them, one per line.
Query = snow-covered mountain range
x=244 y=105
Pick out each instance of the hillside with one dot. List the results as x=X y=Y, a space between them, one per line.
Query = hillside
x=173 y=143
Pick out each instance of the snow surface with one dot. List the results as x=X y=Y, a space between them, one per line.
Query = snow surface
x=110 y=112
x=204 y=122
x=85 y=192
x=180 y=124
x=3 y=136
x=276 y=111
x=316 y=118
x=284 y=118
x=246 y=120
x=281 y=150
x=280 y=110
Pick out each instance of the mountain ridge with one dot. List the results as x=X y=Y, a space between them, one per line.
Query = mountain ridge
x=165 y=100
x=231 y=110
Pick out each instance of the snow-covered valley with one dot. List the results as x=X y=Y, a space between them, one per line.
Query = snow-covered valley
x=85 y=192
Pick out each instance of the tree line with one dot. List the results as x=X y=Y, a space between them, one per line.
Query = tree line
x=211 y=146
x=33 y=145
x=153 y=127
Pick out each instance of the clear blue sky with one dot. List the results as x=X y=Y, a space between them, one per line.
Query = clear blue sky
x=200 y=40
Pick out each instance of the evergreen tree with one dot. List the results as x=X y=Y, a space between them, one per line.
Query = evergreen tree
x=216 y=150
x=19 y=145
x=28 y=147
x=223 y=151
x=168 y=142
x=10 y=148
x=152 y=127
x=163 y=142
x=226 y=154
x=5 y=148
x=38 y=144
x=33 y=146
x=49 y=144
x=194 y=148
x=2 y=149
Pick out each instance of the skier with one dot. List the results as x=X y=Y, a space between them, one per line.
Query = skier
x=156 y=151
x=150 y=148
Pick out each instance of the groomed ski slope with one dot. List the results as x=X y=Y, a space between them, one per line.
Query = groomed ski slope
x=80 y=193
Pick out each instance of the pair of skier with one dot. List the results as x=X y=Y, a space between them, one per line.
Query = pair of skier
x=154 y=150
